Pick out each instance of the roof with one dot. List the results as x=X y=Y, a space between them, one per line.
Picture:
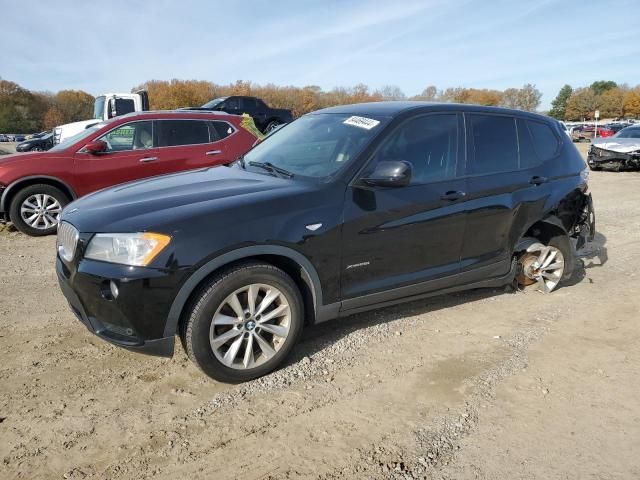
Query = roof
x=392 y=109
x=193 y=114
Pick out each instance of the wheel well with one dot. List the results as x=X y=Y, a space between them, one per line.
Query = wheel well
x=15 y=188
x=544 y=231
x=286 y=264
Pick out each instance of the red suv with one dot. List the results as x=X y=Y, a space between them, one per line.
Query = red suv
x=34 y=187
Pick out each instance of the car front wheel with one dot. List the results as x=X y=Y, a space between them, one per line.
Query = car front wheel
x=36 y=209
x=244 y=322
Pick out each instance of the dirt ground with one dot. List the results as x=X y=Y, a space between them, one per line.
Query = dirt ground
x=480 y=385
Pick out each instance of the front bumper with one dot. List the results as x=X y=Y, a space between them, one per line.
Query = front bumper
x=136 y=318
x=600 y=158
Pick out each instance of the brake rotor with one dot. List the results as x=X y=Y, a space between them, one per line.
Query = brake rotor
x=525 y=273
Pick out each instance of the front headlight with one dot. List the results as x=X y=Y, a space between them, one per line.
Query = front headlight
x=135 y=249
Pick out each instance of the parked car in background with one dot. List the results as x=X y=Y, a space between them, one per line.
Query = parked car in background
x=587 y=132
x=265 y=117
x=36 y=144
x=617 y=153
x=346 y=209
x=616 y=127
x=19 y=138
x=107 y=106
x=34 y=187
x=3 y=138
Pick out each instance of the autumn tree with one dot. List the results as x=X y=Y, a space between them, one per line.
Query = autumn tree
x=526 y=98
x=611 y=103
x=392 y=92
x=581 y=104
x=559 y=104
x=52 y=118
x=631 y=103
x=429 y=94
x=74 y=105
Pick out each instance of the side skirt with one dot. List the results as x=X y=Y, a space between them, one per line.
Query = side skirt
x=347 y=307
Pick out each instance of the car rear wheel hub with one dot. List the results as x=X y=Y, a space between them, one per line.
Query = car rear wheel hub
x=541 y=264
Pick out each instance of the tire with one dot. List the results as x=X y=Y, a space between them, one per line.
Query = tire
x=36 y=149
x=53 y=200
x=561 y=244
x=271 y=126
x=221 y=349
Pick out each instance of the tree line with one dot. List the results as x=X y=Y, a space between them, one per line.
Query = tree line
x=26 y=111
x=180 y=93
x=611 y=99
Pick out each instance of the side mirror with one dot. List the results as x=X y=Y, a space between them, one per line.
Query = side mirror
x=395 y=173
x=96 y=147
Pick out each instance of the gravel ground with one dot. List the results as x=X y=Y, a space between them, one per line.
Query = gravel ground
x=483 y=384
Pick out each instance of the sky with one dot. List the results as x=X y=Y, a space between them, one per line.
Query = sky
x=113 y=46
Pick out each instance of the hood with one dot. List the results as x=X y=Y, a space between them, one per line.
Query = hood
x=622 y=145
x=81 y=124
x=13 y=158
x=163 y=202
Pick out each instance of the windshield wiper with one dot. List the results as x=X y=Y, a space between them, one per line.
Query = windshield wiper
x=271 y=168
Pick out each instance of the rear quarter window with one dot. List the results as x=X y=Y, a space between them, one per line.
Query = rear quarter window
x=545 y=141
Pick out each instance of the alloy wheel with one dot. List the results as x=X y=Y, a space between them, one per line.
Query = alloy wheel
x=250 y=326
x=40 y=211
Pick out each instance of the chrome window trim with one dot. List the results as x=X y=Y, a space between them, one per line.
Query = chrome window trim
x=235 y=130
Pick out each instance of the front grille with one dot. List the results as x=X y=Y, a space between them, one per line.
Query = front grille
x=67 y=241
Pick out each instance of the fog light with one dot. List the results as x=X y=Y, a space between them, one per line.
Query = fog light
x=114 y=289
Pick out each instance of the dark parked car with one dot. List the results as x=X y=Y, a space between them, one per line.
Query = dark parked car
x=35 y=186
x=347 y=209
x=19 y=138
x=265 y=117
x=36 y=144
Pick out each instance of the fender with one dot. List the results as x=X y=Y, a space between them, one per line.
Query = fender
x=523 y=243
x=13 y=186
x=309 y=275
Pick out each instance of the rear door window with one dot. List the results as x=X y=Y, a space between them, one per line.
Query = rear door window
x=494 y=143
x=171 y=133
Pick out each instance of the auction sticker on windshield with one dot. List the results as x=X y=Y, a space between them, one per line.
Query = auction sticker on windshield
x=362 y=122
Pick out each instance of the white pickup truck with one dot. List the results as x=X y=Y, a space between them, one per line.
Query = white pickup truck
x=105 y=107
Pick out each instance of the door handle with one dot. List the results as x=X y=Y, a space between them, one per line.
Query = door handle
x=538 y=180
x=148 y=159
x=213 y=152
x=453 y=195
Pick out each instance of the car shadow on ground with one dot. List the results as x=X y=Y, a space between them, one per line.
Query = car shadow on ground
x=593 y=255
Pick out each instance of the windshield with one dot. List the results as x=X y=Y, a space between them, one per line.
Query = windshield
x=316 y=145
x=98 y=108
x=629 y=133
x=77 y=137
x=214 y=103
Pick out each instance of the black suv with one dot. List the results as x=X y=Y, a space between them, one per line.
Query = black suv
x=346 y=209
x=265 y=117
